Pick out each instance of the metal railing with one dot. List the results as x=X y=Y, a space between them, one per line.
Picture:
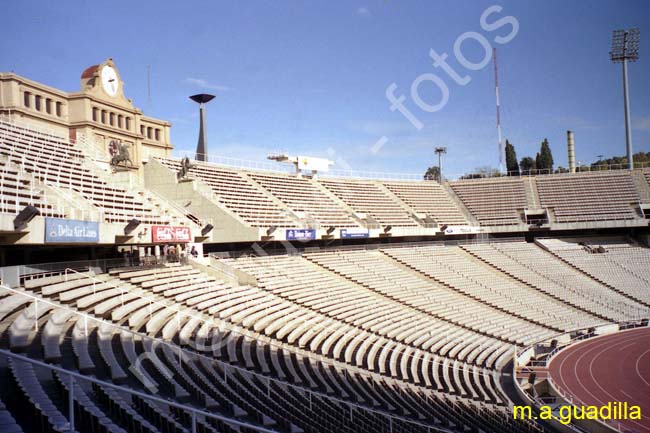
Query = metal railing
x=246 y=164
x=73 y=377
x=292 y=249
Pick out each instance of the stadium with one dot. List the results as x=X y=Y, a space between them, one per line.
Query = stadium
x=146 y=289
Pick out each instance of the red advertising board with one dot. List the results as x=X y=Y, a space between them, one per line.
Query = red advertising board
x=170 y=234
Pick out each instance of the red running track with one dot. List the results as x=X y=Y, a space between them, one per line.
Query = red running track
x=612 y=368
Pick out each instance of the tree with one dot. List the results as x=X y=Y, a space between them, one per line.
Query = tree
x=641 y=159
x=527 y=164
x=511 y=160
x=483 y=172
x=544 y=159
x=433 y=173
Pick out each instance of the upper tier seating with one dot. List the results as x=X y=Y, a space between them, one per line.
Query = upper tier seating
x=367 y=198
x=493 y=202
x=305 y=199
x=430 y=199
x=17 y=191
x=594 y=196
x=235 y=191
x=58 y=163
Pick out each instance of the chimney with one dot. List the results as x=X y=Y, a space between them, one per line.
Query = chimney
x=570 y=143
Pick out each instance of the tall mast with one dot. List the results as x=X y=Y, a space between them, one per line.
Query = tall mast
x=496 y=91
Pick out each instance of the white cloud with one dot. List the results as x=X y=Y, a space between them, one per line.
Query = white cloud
x=363 y=12
x=206 y=85
x=642 y=123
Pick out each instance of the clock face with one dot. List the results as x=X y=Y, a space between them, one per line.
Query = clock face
x=109 y=80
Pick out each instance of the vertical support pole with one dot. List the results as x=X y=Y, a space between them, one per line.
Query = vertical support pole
x=71 y=403
x=193 y=422
x=628 y=127
x=36 y=315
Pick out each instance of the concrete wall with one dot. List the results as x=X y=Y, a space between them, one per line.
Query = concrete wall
x=227 y=226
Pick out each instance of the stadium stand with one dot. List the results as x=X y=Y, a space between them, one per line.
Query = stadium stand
x=414 y=330
x=368 y=199
x=452 y=267
x=593 y=196
x=20 y=190
x=130 y=312
x=535 y=267
x=305 y=199
x=428 y=198
x=60 y=165
x=493 y=202
x=618 y=264
x=235 y=191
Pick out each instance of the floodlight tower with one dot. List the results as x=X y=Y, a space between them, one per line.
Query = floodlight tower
x=440 y=151
x=625 y=46
x=202 y=145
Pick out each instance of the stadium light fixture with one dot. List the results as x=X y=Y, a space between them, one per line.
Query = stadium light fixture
x=132 y=225
x=625 y=47
x=207 y=229
x=439 y=151
x=27 y=214
x=202 y=145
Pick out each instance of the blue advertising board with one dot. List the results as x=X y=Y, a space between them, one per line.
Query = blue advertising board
x=301 y=234
x=354 y=233
x=59 y=230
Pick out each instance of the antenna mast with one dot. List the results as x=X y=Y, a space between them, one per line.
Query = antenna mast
x=496 y=91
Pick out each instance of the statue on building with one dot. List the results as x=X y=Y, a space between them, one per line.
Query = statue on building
x=122 y=156
x=186 y=165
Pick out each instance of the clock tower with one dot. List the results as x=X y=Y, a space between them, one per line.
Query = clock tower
x=103 y=81
x=98 y=117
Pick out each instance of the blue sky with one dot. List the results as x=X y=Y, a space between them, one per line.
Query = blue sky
x=310 y=77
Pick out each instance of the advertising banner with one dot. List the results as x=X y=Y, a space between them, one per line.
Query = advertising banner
x=354 y=233
x=60 y=230
x=462 y=230
x=316 y=164
x=301 y=234
x=170 y=234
